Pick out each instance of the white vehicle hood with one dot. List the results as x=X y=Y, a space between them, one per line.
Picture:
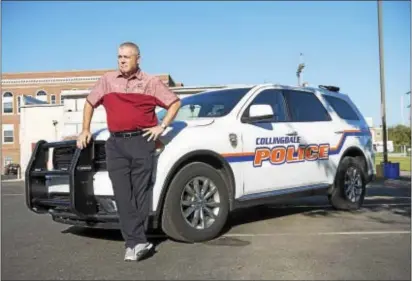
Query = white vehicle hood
x=169 y=133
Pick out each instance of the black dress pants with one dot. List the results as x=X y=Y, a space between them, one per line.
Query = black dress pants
x=129 y=163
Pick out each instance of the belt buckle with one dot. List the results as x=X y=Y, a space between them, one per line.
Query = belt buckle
x=127 y=135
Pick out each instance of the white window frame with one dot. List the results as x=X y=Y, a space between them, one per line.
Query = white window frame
x=7 y=100
x=51 y=99
x=8 y=127
x=43 y=96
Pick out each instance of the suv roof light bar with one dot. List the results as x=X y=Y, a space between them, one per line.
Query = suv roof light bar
x=330 y=88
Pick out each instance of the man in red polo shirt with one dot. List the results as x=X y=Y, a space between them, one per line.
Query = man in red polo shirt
x=130 y=96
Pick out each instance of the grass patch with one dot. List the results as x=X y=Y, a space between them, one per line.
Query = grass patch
x=404 y=162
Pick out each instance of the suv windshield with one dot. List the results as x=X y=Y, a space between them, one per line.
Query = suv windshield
x=208 y=104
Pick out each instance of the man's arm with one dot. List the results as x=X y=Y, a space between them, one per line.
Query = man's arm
x=85 y=135
x=171 y=113
x=92 y=101
x=88 y=111
x=164 y=98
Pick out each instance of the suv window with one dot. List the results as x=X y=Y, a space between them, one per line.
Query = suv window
x=273 y=98
x=305 y=107
x=342 y=108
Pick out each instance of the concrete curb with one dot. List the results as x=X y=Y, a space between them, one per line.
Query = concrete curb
x=13 y=180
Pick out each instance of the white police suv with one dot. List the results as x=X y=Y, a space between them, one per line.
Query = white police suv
x=229 y=148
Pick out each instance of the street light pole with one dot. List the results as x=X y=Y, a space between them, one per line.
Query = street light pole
x=301 y=66
x=382 y=82
x=409 y=106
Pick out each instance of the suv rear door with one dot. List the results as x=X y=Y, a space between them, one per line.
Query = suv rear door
x=319 y=136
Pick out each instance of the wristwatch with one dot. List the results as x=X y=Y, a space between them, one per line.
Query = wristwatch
x=163 y=126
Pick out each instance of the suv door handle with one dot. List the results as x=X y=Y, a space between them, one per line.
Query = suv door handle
x=294 y=133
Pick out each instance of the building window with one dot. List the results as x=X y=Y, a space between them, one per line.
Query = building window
x=41 y=95
x=61 y=99
x=53 y=99
x=7 y=103
x=8 y=133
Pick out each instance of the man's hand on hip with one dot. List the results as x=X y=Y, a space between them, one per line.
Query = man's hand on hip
x=153 y=132
x=84 y=139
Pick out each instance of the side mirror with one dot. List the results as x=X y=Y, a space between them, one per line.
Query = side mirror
x=259 y=112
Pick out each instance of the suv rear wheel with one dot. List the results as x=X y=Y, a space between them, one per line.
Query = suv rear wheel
x=196 y=205
x=350 y=185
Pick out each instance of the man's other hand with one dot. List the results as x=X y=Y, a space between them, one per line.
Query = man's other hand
x=84 y=139
x=153 y=132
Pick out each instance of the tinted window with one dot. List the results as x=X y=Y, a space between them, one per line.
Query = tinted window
x=305 y=107
x=275 y=99
x=213 y=104
x=342 y=108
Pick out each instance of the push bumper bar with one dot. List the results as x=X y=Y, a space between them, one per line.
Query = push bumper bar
x=79 y=206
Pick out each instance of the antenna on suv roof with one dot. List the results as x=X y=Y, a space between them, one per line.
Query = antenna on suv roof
x=330 y=88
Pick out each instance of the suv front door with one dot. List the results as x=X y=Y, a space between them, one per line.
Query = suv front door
x=270 y=143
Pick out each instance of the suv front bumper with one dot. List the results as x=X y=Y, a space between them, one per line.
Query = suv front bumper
x=79 y=206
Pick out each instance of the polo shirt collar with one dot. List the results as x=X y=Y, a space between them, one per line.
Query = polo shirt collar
x=137 y=74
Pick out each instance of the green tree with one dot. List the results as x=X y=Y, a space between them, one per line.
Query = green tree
x=400 y=135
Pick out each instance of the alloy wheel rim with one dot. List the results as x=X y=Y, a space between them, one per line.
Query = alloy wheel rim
x=200 y=202
x=353 y=184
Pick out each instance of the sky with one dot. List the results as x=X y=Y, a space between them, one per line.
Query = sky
x=214 y=43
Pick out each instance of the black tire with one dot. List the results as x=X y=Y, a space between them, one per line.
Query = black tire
x=173 y=221
x=338 y=197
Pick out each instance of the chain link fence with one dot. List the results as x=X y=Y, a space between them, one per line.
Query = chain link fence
x=394 y=150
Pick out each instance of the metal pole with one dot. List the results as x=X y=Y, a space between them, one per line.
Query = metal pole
x=403 y=116
x=409 y=106
x=382 y=80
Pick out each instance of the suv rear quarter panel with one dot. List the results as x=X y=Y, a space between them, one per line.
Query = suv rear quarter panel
x=355 y=133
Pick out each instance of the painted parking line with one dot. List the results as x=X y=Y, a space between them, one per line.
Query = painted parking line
x=330 y=206
x=308 y=206
x=336 y=233
x=398 y=232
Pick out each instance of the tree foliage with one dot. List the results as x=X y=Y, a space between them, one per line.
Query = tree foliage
x=400 y=135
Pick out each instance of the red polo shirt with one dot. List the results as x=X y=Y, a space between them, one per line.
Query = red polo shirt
x=130 y=103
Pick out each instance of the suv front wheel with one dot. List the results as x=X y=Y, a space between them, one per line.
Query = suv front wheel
x=196 y=205
x=349 y=189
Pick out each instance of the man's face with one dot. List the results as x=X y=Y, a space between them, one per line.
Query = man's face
x=127 y=59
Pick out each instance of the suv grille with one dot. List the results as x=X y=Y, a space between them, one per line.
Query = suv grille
x=62 y=156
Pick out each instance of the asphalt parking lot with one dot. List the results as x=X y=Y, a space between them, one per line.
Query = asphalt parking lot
x=304 y=240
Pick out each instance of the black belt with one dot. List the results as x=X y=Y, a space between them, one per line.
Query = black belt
x=126 y=134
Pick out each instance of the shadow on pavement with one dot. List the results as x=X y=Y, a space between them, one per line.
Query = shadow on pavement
x=392 y=200
x=113 y=235
x=379 y=198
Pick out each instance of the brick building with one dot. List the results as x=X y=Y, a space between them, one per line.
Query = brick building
x=44 y=86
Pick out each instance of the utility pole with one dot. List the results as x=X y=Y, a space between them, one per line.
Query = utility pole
x=409 y=106
x=382 y=80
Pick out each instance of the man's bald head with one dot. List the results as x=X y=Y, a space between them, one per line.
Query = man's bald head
x=131 y=45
